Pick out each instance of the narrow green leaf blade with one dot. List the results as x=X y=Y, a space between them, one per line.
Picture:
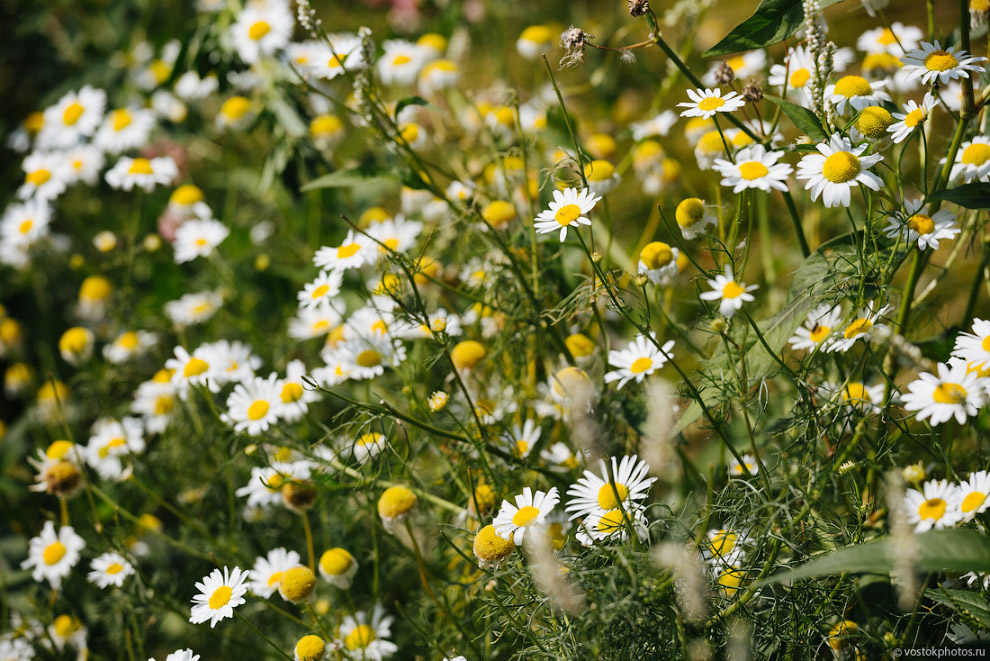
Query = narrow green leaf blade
x=772 y=22
x=971 y=196
x=803 y=118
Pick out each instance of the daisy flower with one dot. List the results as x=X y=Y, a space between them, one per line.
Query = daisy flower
x=75 y=116
x=569 y=207
x=219 y=594
x=627 y=484
x=125 y=129
x=731 y=293
x=724 y=547
x=638 y=360
x=535 y=40
x=368 y=446
x=397 y=234
x=46 y=175
x=264 y=488
x=193 y=308
x=817 y=328
x=142 y=172
x=401 y=62
x=860 y=328
x=312 y=322
x=602 y=177
x=895 y=40
x=51 y=555
x=755 y=167
x=954 y=392
x=931 y=63
x=368 y=356
x=58 y=472
x=973 y=160
x=437 y=76
x=658 y=125
x=930 y=507
x=262 y=29
x=338 y=566
x=974 y=347
x=914 y=115
x=857 y=93
x=706 y=103
x=692 y=218
x=231 y=361
x=109 y=569
x=838 y=167
x=746 y=65
x=972 y=496
x=253 y=406
x=365 y=639
x=235 y=113
x=127 y=345
x=658 y=261
x=926 y=230
x=84 y=164
x=191 y=370
x=345 y=55
x=198 y=238
x=181 y=655
x=353 y=252
x=856 y=395
x=524 y=438
x=294 y=394
x=109 y=441
x=612 y=525
x=26 y=223
x=795 y=74
x=268 y=570
x=530 y=509
x=155 y=402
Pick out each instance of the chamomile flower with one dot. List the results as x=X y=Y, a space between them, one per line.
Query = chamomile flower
x=895 y=40
x=569 y=207
x=109 y=569
x=181 y=655
x=930 y=507
x=58 y=469
x=638 y=360
x=952 y=393
x=193 y=308
x=862 y=327
x=264 y=488
x=658 y=261
x=724 y=547
x=355 y=251
x=396 y=234
x=754 y=167
x=46 y=175
x=253 y=406
x=368 y=356
x=529 y=509
x=748 y=466
x=219 y=594
x=973 y=160
x=730 y=293
x=155 y=402
x=145 y=173
x=437 y=76
x=401 y=62
x=817 y=329
x=312 y=322
x=231 y=361
x=856 y=93
x=524 y=438
x=268 y=570
x=74 y=117
x=535 y=40
x=930 y=62
x=838 y=167
x=344 y=55
x=365 y=639
x=128 y=345
x=974 y=347
x=919 y=227
x=191 y=87
x=914 y=116
x=191 y=370
x=26 y=223
x=84 y=163
x=294 y=394
x=368 y=446
x=745 y=65
x=125 y=129
x=602 y=177
x=236 y=112
x=52 y=555
x=109 y=441
x=198 y=238
x=627 y=484
x=338 y=566
x=855 y=395
x=972 y=496
x=795 y=74
x=692 y=217
x=262 y=29
x=708 y=102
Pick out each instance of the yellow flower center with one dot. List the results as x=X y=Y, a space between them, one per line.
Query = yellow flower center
x=977 y=153
x=886 y=37
x=360 y=638
x=38 y=177
x=710 y=103
x=567 y=214
x=72 y=113
x=369 y=358
x=949 y=393
x=850 y=86
x=53 y=553
x=751 y=170
x=320 y=291
x=310 y=648
x=819 y=333
x=599 y=170
x=940 y=60
x=933 y=508
x=858 y=327
x=640 y=365
x=525 y=516
x=840 y=167
x=799 y=78
x=409 y=132
x=258 y=409
x=66 y=625
x=291 y=392
x=347 y=250
x=128 y=340
x=522 y=448
x=972 y=501
x=111 y=444
x=258 y=30
x=140 y=166
x=115 y=568
x=611 y=521
x=186 y=194
x=915 y=117
x=399 y=60
x=689 y=212
x=921 y=224
x=195 y=367
x=120 y=119
x=336 y=561
x=25 y=226
x=274 y=579
x=732 y=289
x=656 y=255
x=396 y=501
x=856 y=392
x=235 y=107
x=723 y=542
x=220 y=597
x=325 y=125
x=163 y=404
x=607 y=499
x=58 y=449
x=873 y=122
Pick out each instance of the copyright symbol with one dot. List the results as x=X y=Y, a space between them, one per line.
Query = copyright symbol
x=897 y=652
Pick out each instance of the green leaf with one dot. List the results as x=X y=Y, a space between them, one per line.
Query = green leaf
x=973 y=606
x=803 y=118
x=772 y=22
x=349 y=179
x=971 y=196
x=955 y=550
x=409 y=101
